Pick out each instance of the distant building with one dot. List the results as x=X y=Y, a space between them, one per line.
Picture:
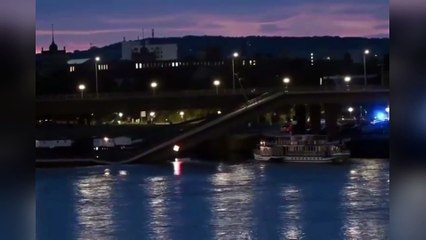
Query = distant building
x=75 y=64
x=161 y=52
x=50 y=61
x=53 y=48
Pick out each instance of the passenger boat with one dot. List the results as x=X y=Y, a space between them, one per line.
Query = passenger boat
x=301 y=148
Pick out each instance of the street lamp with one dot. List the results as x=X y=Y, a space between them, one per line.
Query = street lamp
x=347 y=80
x=234 y=55
x=181 y=114
x=350 y=110
x=82 y=87
x=154 y=85
x=216 y=83
x=97 y=59
x=151 y=117
x=366 y=52
x=286 y=81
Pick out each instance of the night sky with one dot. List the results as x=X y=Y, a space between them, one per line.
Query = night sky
x=101 y=22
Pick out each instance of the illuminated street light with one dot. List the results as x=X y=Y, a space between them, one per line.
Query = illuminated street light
x=176 y=148
x=82 y=87
x=154 y=85
x=152 y=114
x=286 y=81
x=219 y=112
x=106 y=139
x=182 y=114
x=120 y=114
x=347 y=80
x=235 y=55
x=366 y=52
x=350 y=110
x=97 y=59
x=216 y=83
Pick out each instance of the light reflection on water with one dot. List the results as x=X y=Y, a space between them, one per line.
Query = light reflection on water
x=231 y=202
x=291 y=213
x=94 y=207
x=157 y=191
x=365 y=202
x=216 y=201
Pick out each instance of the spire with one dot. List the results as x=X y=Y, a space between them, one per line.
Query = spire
x=53 y=47
x=53 y=35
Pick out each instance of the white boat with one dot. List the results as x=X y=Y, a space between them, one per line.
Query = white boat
x=300 y=148
x=58 y=143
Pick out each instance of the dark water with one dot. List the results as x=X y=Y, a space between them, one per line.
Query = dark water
x=215 y=201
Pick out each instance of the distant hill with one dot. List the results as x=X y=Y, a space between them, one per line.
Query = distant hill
x=258 y=46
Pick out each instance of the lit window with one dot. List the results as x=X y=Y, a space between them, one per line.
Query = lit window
x=173 y=64
x=137 y=66
x=72 y=68
x=254 y=62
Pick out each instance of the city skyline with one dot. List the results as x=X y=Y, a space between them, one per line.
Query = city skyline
x=101 y=23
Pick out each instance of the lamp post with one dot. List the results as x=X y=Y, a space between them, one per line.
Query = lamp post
x=388 y=111
x=154 y=85
x=350 y=110
x=234 y=55
x=97 y=59
x=366 y=52
x=286 y=81
x=81 y=87
x=347 y=80
x=216 y=83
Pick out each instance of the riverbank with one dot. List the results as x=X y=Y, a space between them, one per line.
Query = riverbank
x=233 y=147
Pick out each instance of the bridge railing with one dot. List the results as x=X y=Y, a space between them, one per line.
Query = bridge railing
x=209 y=92
x=150 y=94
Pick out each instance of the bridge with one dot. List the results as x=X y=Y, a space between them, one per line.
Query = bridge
x=133 y=103
x=262 y=104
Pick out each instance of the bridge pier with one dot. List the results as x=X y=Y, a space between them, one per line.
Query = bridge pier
x=332 y=111
x=315 y=118
x=300 y=112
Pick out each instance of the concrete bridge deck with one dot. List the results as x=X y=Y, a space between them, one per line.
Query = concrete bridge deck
x=226 y=99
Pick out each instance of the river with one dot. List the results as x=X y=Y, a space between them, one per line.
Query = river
x=209 y=200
